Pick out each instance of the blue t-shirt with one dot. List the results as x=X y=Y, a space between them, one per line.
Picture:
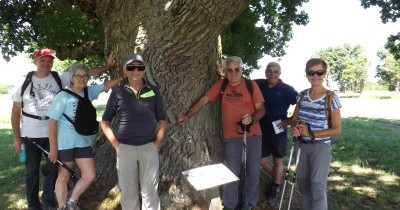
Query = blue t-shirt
x=65 y=103
x=313 y=112
x=277 y=101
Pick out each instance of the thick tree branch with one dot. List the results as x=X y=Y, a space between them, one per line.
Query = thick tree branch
x=79 y=52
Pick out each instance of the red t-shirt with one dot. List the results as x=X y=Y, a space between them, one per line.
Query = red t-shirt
x=236 y=102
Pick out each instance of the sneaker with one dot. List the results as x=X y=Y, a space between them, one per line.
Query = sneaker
x=227 y=208
x=72 y=205
x=273 y=195
x=247 y=206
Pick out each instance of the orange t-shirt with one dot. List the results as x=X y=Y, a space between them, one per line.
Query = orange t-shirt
x=236 y=102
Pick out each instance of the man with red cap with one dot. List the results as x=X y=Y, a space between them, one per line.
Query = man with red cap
x=28 y=119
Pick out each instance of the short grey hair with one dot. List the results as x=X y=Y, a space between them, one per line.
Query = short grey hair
x=272 y=64
x=72 y=69
x=233 y=59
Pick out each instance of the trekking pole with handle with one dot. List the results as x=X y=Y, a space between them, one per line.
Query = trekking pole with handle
x=244 y=154
x=287 y=172
x=294 y=178
x=47 y=155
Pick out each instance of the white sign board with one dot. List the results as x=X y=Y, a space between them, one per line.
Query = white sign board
x=209 y=176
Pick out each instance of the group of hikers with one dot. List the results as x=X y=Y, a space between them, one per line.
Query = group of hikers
x=46 y=111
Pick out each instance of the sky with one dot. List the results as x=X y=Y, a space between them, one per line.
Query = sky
x=331 y=23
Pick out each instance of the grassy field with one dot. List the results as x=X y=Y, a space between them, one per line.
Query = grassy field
x=365 y=170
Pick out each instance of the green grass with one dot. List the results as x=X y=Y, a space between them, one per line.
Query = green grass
x=365 y=172
x=12 y=194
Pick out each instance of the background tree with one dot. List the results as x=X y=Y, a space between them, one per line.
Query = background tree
x=347 y=66
x=390 y=12
x=179 y=41
x=389 y=70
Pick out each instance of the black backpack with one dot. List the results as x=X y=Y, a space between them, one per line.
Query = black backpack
x=28 y=79
x=249 y=85
x=85 y=117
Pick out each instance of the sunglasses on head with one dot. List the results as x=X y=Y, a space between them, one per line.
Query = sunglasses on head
x=135 y=67
x=231 y=70
x=318 y=72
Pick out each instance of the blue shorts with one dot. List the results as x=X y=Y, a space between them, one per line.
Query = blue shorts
x=274 y=144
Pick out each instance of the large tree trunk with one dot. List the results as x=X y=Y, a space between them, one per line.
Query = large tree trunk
x=179 y=41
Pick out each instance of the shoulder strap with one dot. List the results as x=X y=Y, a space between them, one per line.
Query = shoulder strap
x=72 y=93
x=28 y=79
x=328 y=107
x=85 y=92
x=224 y=84
x=249 y=85
x=56 y=77
x=302 y=94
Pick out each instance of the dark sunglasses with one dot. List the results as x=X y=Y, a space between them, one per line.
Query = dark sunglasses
x=312 y=73
x=231 y=70
x=135 y=67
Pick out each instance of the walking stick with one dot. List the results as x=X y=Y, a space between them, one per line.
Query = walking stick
x=47 y=156
x=294 y=178
x=244 y=154
x=287 y=174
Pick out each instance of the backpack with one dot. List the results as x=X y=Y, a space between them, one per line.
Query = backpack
x=328 y=104
x=85 y=122
x=249 y=85
x=28 y=79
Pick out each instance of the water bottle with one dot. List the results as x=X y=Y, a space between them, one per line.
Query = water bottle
x=22 y=155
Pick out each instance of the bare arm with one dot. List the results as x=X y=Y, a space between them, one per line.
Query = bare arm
x=111 y=83
x=109 y=133
x=295 y=118
x=100 y=70
x=258 y=114
x=193 y=110
x=161 y=128
x=53 y=140
x=15 y=124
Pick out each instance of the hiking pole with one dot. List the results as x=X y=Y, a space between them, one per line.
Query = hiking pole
x=57 y=161
x=294 y=177
x=287 y=172
x=244 y=154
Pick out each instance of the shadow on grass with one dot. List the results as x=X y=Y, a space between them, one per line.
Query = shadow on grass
x=365 y=172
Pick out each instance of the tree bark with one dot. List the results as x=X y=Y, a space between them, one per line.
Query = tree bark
x=179 y=42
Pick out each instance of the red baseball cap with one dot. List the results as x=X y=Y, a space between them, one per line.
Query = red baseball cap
x=44 y=52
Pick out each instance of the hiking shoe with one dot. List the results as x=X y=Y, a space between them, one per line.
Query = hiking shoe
x=273 y=195
x=72 y=205
x=247 y=206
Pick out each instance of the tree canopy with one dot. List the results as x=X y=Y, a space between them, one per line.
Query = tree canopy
x=389 y=70
x=263 y=28
x=347 y=65
x=390 y=12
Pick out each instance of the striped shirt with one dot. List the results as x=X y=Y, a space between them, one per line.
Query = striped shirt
x=313 y=112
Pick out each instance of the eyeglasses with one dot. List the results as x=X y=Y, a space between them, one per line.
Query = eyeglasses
x=318 y=72
x=135 y=67
x=81 y=76
x=231 y=70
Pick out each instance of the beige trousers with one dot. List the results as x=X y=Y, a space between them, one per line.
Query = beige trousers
x=138 y=171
